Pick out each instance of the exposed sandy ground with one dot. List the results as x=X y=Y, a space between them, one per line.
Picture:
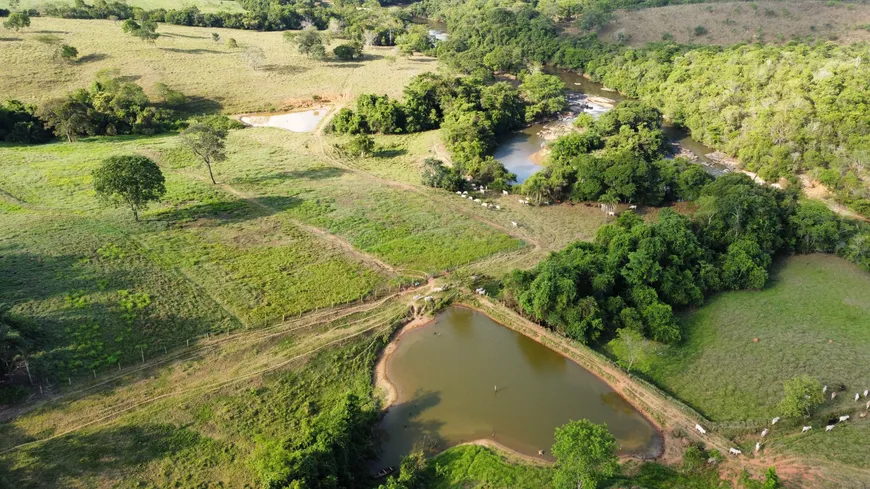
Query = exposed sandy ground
x=735 y=22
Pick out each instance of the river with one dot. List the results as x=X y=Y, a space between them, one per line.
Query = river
x=465 y=377
x=520 y=152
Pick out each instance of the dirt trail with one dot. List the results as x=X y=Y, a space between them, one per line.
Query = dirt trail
x=324 y=235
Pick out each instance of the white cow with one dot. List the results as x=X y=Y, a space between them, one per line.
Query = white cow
x=465 y=192
x=868 y=405
x=485 y=204
x=806 y=428
x=764 y=433
x=844 y=418
x=757 y=447
x=824 y=389
x=829 y=428
x=701 y=429
x=632 y=207
x=866 y=391
x=458 y=192
x=514 y=224
x=477 y=200
x=611 y=214
x=734 y=451
x=775 y=420
x=833 y=395
x=504 y=192
x=498 y=207
x=857 y=396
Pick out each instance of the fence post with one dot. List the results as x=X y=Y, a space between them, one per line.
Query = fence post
x=142 y=351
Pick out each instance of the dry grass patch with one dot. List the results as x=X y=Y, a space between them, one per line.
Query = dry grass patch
x=734 y=22
x=215 y=77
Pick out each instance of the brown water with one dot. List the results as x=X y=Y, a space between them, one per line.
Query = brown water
x=516 y=151
x=304 y=121
x=465 y=377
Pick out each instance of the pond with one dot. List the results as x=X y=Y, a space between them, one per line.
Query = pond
x=304 y=121
x=520 y=152
x=465 y=377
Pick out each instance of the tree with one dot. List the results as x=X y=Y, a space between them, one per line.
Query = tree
x=207 y=143
x=308 y=42
x=360 y=145
x=802 y=395
x=544 y=94
x=17 y=21
x=632 y=350
x=130 y=180
x=232 y=44
x=771 y=480
x=147 y=30
x=68 y=52
x=585 y=455
x=68 y=118
x=169 y=96
x=215 y=37
x=436 y=175
x=412 y=473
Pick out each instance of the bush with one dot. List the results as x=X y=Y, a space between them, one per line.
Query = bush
x=701 y=31
x=348 y=52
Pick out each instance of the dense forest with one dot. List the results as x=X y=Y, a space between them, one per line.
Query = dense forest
x=786 y=110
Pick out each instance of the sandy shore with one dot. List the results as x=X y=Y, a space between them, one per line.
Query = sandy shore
x=381 y=380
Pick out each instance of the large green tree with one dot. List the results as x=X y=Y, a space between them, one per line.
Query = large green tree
x=802 y=395
x=585 y=455
x=17 y=21
x=130 y=180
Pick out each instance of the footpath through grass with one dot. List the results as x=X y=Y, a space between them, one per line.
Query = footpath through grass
x=813 y=318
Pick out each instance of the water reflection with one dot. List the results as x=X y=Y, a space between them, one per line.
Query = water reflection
x=305 y=121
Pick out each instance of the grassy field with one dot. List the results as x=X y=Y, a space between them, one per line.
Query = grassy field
x=204 y=5
x=201 y=417
x=813 y=318
x=215 y=77
x=729 y=23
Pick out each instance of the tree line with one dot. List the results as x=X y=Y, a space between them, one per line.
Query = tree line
x=472 y=112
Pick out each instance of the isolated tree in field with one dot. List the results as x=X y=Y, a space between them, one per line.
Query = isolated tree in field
x=207 y=143
x=308 y=42
x=130 y=180
x=147 y=31
x=17 y=21
x=585 y=455
x=632 y=350
x=802 y=395
x=68 y=52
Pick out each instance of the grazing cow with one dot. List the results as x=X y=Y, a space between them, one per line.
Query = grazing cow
x=465 y=192
x=833 y=395
x=757 y=446
x=775 y=420
x=458 y=192
x=868 y=405
x=734 y=451
x=764 y=433
x=477 y=200
x=806 y=428
x=829 y=428
x=485 y=204
x=701 y=429
x=632 y=207
x=514 y=224
x=482 y=191
x=857 y=396
x=498 y=207
x=844 y=418
x=866 y=391
x=824 y=389
x=504 y=192
x=611 y=214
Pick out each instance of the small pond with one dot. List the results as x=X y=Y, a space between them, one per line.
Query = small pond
x=520 y=152
x=465 y=377
x=304 y=121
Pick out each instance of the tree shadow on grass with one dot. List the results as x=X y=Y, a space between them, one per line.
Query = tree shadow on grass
x=193 y=51
x=195 y=105
x=227 y=212
x=10 y=39
x=92 y=58
x=319 y=173
x=390 y=152
x=120 y=448
x=284 y=69
x=174 y=34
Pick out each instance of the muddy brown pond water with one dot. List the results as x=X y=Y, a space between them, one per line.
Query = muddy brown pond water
x=465 y=377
